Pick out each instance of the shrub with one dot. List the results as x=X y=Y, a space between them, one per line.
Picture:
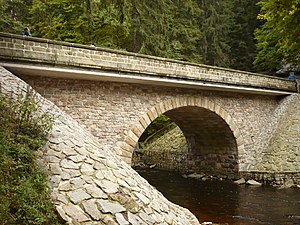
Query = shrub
x=24 y=194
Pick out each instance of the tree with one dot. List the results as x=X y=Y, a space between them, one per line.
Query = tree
x=186 y=33
x=14 y=15
x=91 y=21
x=279 y=37
x=215 y=22
x=242 y=41
x=55 y=19
x=164 y=28
x=214 y=32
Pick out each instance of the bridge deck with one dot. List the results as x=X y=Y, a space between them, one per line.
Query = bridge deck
x=43 y=57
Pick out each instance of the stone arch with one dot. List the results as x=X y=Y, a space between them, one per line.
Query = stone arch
x=126 y=147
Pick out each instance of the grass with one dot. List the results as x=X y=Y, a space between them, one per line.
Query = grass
x=24 y=193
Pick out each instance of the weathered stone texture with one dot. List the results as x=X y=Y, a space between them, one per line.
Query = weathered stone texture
x=253 y=132
x=113 y=112
x=283 y=151
x=168 y=152
x=30 y=49
x=92 y=198
x=110 y=110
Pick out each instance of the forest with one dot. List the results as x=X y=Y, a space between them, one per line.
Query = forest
x=259 y=36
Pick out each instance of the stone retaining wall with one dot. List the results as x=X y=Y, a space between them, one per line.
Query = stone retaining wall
x=88 y=183
x=169 y=152
x=283 y=151
x=280 y=179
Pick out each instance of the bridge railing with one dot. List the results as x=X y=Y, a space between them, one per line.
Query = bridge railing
x=16 y=48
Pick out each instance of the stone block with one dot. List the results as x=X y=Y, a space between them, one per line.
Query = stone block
x=95 y=192
x=253 y=182
x=133 y=136
x=110 y=207
x=107 y=186
x=90 y=208
x=78 y=196
x=121 y=220
x=76 y=213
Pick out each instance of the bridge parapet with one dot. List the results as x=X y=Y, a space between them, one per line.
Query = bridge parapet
x=15 y=48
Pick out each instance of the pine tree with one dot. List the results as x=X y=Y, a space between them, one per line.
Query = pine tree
x=99 y=22
x=214 y=32
x=151 y=23
x=186 y=33
x=242 y=41
x=215 y=22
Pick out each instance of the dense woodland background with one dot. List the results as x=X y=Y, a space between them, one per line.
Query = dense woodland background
x=251 y=35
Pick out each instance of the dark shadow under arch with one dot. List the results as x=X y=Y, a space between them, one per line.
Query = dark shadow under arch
x=215 y=142
x=212 y=148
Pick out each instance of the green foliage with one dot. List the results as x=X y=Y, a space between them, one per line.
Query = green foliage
x=150 y=23
x=156 y=129
x=215 y=23
x=58 y=20
x=192 y=30
x=100 y=22
x=214 y=32
x=166 y=28
x=195 y=31
x=14 y=15
x=279 y=37
x=186 y=33
x=242 y=41
x=24 y=197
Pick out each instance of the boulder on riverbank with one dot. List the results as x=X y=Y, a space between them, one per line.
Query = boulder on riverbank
x=249 y=182
x=253 y=183
x=240 y=181
x=195 y=176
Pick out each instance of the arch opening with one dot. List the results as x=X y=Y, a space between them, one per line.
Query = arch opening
x=162 y=145
x=200 y=141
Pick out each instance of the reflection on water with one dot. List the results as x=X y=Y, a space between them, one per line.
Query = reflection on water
x=226 y=202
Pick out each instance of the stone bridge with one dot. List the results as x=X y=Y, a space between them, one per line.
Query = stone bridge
x=236 y=123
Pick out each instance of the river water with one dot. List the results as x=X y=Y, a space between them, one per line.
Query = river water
x=226 y=202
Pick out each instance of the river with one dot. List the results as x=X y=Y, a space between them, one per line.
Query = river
x=225 y=202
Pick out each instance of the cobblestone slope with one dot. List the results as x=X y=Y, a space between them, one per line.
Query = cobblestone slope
x=91 y=185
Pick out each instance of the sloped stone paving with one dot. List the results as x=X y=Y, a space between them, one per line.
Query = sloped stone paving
x=90 y=185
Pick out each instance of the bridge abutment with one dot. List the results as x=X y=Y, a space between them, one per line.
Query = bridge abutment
x=89 y=184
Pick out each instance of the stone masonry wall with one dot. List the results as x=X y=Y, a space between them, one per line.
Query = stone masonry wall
x=212 y=145
x=168 y=152
x=117 y=112
x=284 y=148
x=89 y=184
x=15 y=48
x=252 y=119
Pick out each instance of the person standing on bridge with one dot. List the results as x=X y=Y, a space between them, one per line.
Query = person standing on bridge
x=292 y=76
x=26 y=32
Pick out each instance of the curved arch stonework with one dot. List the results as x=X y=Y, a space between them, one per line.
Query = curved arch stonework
x=89 y=184
x=128 y=145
